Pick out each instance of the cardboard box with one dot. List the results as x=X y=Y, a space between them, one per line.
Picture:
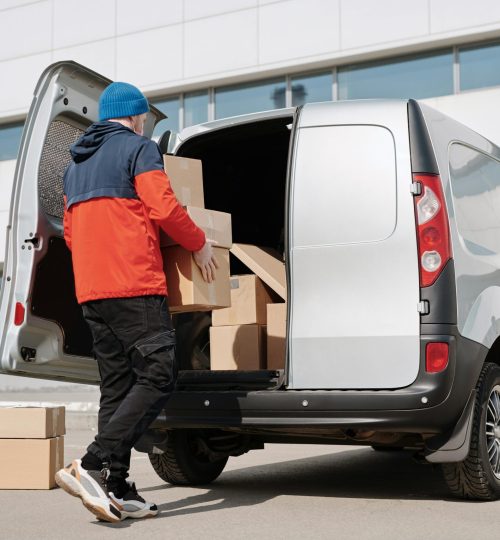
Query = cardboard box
x=239 y=347
x=187 y=290
x=186 y=179
x=249 y=299
x=276 y=336
x=31 y=422
x=265 y=263
x=216 y=225
x=30 y=463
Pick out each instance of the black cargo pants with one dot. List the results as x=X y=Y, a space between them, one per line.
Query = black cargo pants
x=134 y=345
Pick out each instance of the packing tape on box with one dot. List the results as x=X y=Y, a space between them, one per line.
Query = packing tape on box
x=210 y=227
x=57 y=411
x=235 y=283
x=186 y=196
x=212 y=295
x=58 y=456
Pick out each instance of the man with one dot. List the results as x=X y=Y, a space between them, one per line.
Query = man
x=117 y=196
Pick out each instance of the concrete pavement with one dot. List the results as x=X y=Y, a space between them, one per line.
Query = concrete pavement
x=285 y=491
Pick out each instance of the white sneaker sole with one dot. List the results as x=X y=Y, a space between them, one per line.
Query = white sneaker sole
x=99 y=507
x=144 y=514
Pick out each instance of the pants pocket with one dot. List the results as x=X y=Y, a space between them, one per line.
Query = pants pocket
x=155 y=360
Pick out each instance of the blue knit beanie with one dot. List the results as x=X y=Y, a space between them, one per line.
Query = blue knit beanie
x=121 y=99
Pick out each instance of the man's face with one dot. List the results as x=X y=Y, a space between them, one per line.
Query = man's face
x=138 y=122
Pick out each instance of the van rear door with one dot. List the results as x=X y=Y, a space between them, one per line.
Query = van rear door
x=44 y=334
x=354 y=294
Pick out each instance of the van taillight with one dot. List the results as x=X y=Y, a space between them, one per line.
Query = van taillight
x=436 y=357
x=434 y=249
x=19 y=314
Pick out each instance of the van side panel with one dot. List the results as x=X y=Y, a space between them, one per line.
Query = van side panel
x=354 y=272
x=470 y=170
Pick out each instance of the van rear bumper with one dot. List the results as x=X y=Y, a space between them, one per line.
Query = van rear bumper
x=432 y=404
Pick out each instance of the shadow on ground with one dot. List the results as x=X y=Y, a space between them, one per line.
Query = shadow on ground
x=360 y=473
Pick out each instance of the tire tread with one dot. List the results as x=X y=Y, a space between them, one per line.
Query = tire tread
x=468 y=479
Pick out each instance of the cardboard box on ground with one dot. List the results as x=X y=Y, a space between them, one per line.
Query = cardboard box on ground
x=238 y=335
x=31 y=446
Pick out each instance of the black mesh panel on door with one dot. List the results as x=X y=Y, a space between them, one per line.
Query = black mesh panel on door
x=55 y=158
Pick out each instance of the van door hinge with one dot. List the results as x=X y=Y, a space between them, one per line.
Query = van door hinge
x=416 y=188
x=424 y=307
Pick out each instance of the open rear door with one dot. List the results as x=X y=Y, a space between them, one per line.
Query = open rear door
x=44 y=334
x=352 y=249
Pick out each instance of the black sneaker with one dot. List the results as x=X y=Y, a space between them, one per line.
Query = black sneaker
x=129 y=502
x=90 y=486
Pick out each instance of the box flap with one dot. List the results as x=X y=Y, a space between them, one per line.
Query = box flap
x=264 y=262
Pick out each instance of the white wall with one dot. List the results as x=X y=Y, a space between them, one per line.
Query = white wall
x=167 y=45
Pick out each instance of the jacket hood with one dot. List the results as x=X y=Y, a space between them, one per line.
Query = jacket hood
x=95 y=136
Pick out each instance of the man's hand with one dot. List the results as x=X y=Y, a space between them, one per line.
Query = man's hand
x=205 y=259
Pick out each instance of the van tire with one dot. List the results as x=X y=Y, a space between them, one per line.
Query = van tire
x=474 y=478
x=182 y=464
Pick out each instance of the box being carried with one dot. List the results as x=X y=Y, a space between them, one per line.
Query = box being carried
x=186 y=179
x=187 y=290
x=215 y=225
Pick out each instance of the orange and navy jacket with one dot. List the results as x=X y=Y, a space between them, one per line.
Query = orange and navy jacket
x=117 y=196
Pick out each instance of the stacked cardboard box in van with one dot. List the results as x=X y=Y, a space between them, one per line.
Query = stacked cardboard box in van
x=187 y=290
x=238 y=336
x=31 y=446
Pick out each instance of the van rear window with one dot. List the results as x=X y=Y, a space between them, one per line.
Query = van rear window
x=344 y=188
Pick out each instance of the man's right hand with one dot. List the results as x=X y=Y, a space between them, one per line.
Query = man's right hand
x=205 y=259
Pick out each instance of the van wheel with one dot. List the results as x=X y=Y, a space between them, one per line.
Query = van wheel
x=186 y=461
x=478 y=476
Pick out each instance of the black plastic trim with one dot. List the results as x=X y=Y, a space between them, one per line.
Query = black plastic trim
x=442 y=298
x=422 y=155
x=402 y=410
x=453 y=447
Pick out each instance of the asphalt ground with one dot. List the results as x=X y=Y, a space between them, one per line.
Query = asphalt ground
x=284 y=491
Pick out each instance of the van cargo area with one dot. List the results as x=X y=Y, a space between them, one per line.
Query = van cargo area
x=244 y=174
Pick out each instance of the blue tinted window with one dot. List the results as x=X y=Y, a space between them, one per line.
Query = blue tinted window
x=170 y=107
x=10 y=137
x=242 y=99
x=311 y=89
x=195 y=108
x=479 y=66
x=410 y=77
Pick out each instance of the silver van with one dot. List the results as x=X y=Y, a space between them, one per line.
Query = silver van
x=388 y=217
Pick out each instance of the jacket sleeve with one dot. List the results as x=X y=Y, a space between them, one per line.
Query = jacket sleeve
x=156 y=194
x=67 y=219
x=153 y=188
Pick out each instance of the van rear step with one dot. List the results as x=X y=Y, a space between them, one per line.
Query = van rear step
x=228 y=380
